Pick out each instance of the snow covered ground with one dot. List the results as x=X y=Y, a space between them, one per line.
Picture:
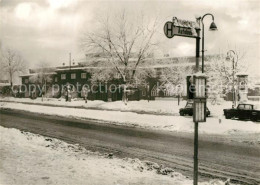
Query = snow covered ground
x=160 y=106
x=164 y=107
x=27 y=158
x=214 y=125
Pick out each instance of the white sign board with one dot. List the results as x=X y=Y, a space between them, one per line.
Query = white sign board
x=180 y=28
x=199 y=110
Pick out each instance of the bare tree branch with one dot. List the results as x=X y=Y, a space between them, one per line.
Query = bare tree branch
x=12 y=64
x=120 y=39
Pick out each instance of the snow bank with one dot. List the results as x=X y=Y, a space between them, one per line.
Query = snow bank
x=164 y=107
x=158 y=122
x=161 y=106
x=33 y=159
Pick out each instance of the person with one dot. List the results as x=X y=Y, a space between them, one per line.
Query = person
x=148 y=92
x=85 y=92
x=66 y=93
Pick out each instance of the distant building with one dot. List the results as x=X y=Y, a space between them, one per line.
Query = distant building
x=79 y=75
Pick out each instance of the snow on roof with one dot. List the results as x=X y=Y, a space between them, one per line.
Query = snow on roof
x=5 y=84
x=242 y=74
x=32 y=74
x=25 y=75
x=72 y=68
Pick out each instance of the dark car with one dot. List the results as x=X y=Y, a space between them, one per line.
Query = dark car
x=188 y=110
x=243 y=111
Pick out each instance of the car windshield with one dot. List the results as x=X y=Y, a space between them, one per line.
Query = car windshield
x=257 y=107
x=189 y=105
x=245 y=107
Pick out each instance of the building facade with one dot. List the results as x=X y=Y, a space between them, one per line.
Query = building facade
x=78 y=76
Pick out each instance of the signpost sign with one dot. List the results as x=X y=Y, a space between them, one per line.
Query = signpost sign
x=199 y=109
x=191 y=29
x=181 y=28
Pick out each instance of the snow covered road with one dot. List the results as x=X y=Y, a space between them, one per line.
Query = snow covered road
x=220 y=156
x=214 y=125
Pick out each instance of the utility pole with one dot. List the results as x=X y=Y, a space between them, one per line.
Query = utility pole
x=196 y=124
x=233 y=83
x=70 y=60
x=171 y=29
x=198 y=45
x=196 y=146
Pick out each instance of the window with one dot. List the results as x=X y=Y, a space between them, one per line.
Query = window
x=73 y=76
x=83 y=75
x=241 y=107
x=248 y=107
x=63 y=76
x=56 y=79
x=26 y=81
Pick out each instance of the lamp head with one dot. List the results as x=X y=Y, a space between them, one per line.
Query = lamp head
x=213 y=26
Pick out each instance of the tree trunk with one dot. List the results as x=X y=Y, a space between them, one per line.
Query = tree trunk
x=11 y=80
x=124 y=97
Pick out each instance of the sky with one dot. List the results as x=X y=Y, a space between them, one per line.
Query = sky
x=48 y=30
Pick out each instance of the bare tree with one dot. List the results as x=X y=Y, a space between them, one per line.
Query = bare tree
x=173 y=77
x=220 y=71
x=103 y=72
x=43 y=76
x=125 y=42
x=12 y=63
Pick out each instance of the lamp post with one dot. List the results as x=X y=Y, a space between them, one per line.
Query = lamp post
x=230 y=56
x=198 y=102
x=212 y=27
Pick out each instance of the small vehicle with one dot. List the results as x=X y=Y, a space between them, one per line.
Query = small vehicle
x=243 y=111
x=188 y=110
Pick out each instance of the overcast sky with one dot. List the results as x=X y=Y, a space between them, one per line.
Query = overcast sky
x=47 y=30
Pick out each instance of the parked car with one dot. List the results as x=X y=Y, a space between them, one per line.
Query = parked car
x=188 y=110
x=243 y=111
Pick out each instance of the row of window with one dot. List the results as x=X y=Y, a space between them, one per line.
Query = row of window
x=63 y=77
x=73 y=76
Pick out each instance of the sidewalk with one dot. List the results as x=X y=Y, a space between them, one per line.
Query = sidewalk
x=165 y=107
x=160 y=107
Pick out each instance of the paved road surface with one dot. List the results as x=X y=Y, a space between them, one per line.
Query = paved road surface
x=218 y=156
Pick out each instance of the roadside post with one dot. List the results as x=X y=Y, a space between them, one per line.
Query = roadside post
x=199 y=115
x=184 y=28
x=189 y=29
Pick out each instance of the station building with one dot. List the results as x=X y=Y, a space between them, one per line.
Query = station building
x=78 y=75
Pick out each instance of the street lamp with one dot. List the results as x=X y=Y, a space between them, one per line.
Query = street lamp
x=199 y=104
x=229 y=57
x=212 y=27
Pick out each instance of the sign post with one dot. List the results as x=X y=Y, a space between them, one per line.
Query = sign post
x=199 y=115
x=191 y=29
